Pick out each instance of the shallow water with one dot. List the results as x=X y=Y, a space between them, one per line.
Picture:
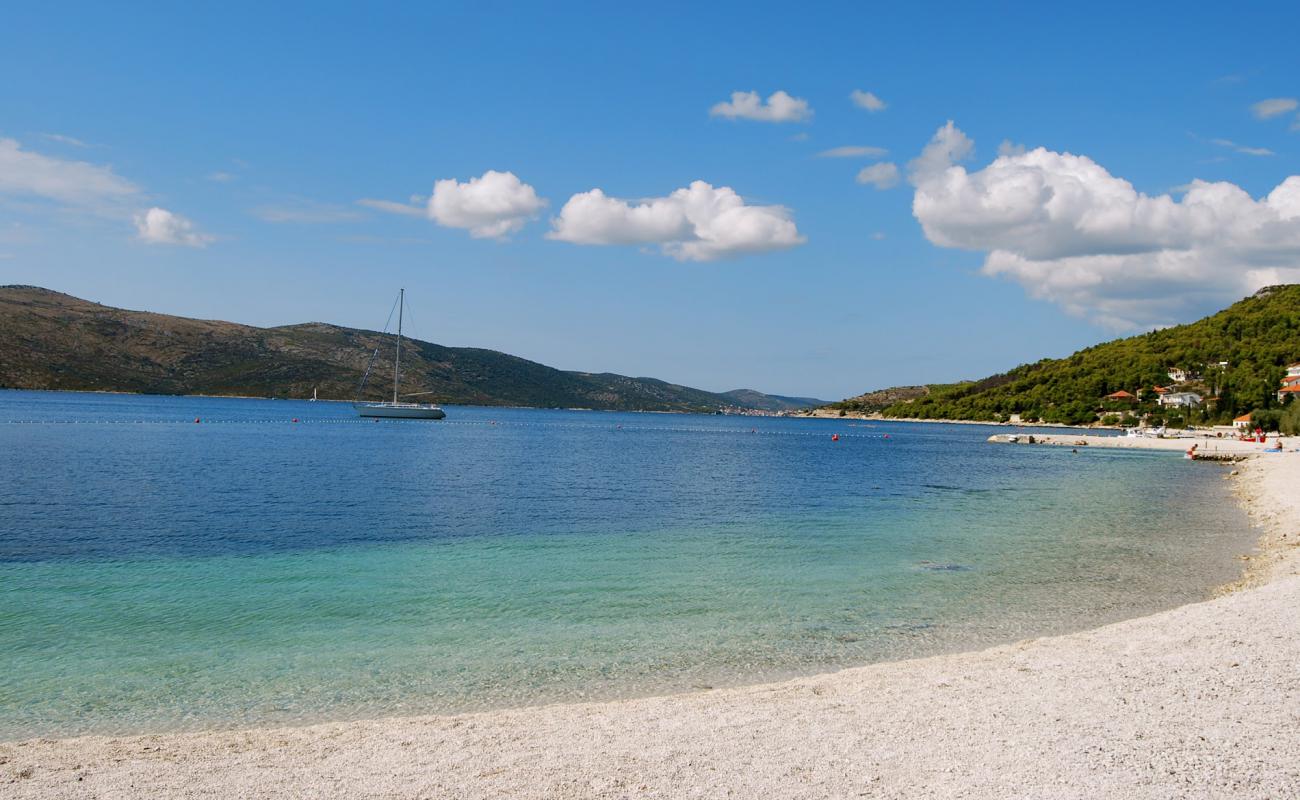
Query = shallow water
x=157 y=574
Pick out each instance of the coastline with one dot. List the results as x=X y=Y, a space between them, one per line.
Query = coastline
x=822 y=413
x=1199 y=700
x=703 y=412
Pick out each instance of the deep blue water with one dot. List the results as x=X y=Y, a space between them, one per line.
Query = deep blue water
x=157 y=573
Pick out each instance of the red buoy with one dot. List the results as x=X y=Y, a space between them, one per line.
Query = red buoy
x=196 y=420
x=835 y=437
x=295 y=419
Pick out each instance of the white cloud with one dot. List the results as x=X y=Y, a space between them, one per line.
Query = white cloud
x=1070 y=232
x=92 y=188
x=394 y=207
x=1010 y=148
x=74 y=183
x=853 y=151
x=71 y=141
x=879 y=236
x=780 y=107
x=1241 y=148
x=1273 y=107
x=160 y=226
x=220 y=177
x=492 y=206
x=698 y=223
x=947 y=146
x=308 y=212
x=866 y=100
x=882 y=176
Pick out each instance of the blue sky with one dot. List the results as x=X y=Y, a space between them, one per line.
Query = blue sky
x=263 y=126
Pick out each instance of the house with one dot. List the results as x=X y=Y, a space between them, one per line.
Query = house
x=1159 y=390
x=1242 y=423
x=1183 y=375
x=1120 y=397
x=1290 y=383
x=1180 y=399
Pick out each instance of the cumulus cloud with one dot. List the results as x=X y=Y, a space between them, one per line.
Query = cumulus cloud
x=947 y=146
x=882 y=176
x=697 y=223
x=160 y=226
x=853 y=151
x=1072 y=233
x=780 y=107
x=1273 y=107
x=1010 y=148
x=492 y=206
x=74 y=183
x=866 y=100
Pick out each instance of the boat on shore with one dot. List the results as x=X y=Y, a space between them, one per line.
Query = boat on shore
x=397 y=409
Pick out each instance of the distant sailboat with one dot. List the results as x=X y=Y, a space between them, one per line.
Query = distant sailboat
x=313 y=395
x=397 y=409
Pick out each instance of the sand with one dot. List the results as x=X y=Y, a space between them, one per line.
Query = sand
x=1201 y=701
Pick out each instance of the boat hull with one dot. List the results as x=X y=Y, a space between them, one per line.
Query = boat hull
x=399 y=410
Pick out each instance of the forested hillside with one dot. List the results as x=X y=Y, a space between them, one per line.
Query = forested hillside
x=1256 y=337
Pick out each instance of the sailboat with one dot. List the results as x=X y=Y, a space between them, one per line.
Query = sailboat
x=397 y=409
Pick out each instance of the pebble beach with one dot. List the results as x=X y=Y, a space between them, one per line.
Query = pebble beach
x=1198 y=701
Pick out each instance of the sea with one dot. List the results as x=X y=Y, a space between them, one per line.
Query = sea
x=185 y=563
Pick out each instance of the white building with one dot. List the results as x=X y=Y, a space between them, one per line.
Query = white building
x=1180 y=399
x=1183 y=375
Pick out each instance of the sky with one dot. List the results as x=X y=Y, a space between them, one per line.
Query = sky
x=813 y=202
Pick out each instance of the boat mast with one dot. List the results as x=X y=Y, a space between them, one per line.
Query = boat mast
x=401 y=302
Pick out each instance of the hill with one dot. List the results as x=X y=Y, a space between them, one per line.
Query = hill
x=50 y=340
x=1238 y=356
x=750 y=398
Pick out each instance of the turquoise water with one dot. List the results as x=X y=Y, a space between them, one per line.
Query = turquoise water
x=157 y=574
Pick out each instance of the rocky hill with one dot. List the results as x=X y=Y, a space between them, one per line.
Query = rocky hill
x=50 y=340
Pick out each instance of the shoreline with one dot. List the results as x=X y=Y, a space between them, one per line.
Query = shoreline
x=1197 y=700
x=819 y=413
x=341 y=400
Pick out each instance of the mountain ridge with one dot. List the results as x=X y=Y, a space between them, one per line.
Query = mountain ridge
x=53 y=340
